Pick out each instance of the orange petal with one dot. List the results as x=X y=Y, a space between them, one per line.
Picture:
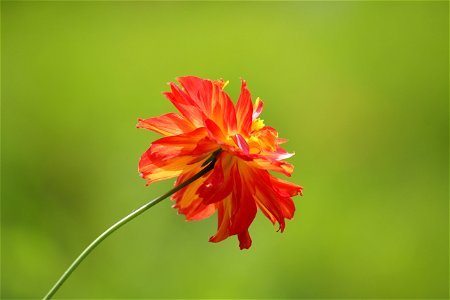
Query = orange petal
x=267 y=163
x=160 y=171
x=168 y=157
x=278 y=154
x=187 y=200
x=280 y=141
x=203 y=213
x=266 y=138
x=168 y=124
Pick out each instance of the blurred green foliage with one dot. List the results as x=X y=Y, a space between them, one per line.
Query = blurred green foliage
x=359 y=88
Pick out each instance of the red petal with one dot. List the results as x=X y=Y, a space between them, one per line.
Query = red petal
x=215 y=132
x=168 y=124
x=199 y=90
x=224 y=113
x=244 y=206
x=274 y=197
x=178 y=145
x=219 y=185
x=211 y=100
x=245 y=241
x=185 y=105
x=237 y=211
x=286 y=188
x=244 y=110
x=223 y=220
x=205 y=145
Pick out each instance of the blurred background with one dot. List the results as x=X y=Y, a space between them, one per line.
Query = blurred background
x=359 y=89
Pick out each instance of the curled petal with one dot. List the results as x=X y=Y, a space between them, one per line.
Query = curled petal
x=257 y=108
x=223 y=220
x=245 y=241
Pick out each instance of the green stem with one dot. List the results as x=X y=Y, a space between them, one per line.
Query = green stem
x=124 y=221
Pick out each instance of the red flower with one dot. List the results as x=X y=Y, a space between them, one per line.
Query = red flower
x=245 y=150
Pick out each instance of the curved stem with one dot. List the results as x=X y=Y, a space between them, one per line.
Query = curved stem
x=124 y=221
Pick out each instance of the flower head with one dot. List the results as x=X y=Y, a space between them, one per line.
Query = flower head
x=244 y=149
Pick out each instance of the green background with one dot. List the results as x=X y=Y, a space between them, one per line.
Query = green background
x=359 y=88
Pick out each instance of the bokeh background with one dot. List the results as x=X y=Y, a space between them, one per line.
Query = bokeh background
x=359 y=88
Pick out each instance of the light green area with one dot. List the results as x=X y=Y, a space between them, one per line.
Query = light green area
x=359 y=88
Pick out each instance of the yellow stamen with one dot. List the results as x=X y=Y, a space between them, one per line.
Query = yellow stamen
x=257 y=124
